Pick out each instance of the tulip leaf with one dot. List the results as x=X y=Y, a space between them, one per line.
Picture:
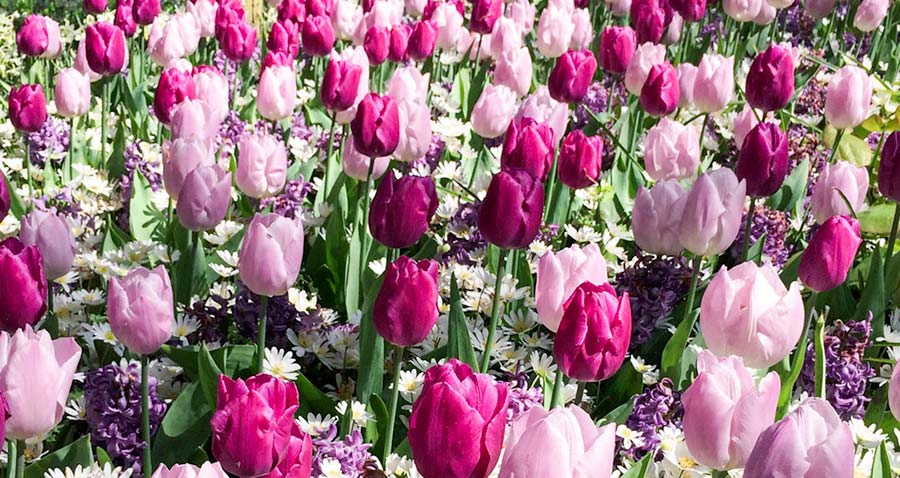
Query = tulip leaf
x=878 y=412
x=102 y=457
x=379 y=409
x=76 y=453
x=791 y=269
x=792 y=191
x=877 y=220
x=142 y=217
x=755 y=252
x=619 y=414
x=209 y=374
x=620 y=388
x=851 y=149
x=353 y=274
x=313 y=398
x=639 y=470
x=371 y=350
x=872 y=299
x=671 y=365
x=459 y=344
x=184 y=428
x=881 y=464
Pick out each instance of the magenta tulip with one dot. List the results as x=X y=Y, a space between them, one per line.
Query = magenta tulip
x=105 y=48
x=571 y=76
x=318 y=35
x=484 y=15
x=174 y=87
x=528 y=145
x=617 y=45
x=827 y=260
x=39 y=36
x=340 y=84
x=27 y=108
x=510 y=214
x=399 y=43
x=23 y=300
x=145 y=11
x=580 y=160
x=238 y=41
x=422 y=40
x=376 y=127
x=405 y=309
x=377 y=43
x=770 y=81
x=660 y=94
x=559 y=274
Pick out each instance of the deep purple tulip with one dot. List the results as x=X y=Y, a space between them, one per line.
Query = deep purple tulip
x=402 y=210
x=888 y=168
x=376 y=126
x=510 y=215
x=770 y=81
x=405 y=309
x=5 y=202
x=763 y=159
x=580 y=160
x=661 y=92
x=27 y=108
x=340 y=85
x=104 y=47
x=528 y=145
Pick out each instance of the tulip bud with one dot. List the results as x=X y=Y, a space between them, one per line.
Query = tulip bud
x=528 y=145
x=376 y=44
x=238 y=41
x=839 y=184
x=493 y=111
x=580 y=160
x=671 y=150
x=572 y=75
x=724 y=409
x=376 y=127
x=340 y=84
x=645 y=57
x=53 y=237
x=203 y=201
x=145 y=11
x=770 y=81
x=174 y=87
x=399 y=43
x=687 y=73
x=763 y=160
x=271 y=254
x=870 y=14
x=742 y=10
x=228 y=12
x=660 y=93
x=514 y=70
x=284 y=37
x=323 y=8
x=318 y=35
x=554 y=31
x=209 y=83
x=656 y=217
x=819 y=9
x=95 y=6
x=888 y=168
x=810 y=441
x=402 y=210
x=172 y=39
x=559 y=274
x=23 y=299
x=583 y=33
x=848 y=97
x=827 y=260
x=422 y=40
x=714 y=83
x=617 y=45
x=204 y=11
x=594 y=333
x=27 y=108
x=141 y=309
x=183 y=156
x=39 y=36
x=690 y=10
x=262 y=166
x=405 y=309
x=356 y=165
x=192 y=119
x=105 y=48
x=484 y=15
x=510 y=214
x=506 y=36
x=458 y=410
x=293 y=11
x=277 y=93
x=124 y=18
x=649 y=20
x=713 y=210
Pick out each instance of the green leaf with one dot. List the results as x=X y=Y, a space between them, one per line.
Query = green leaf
x=619 y=414
x=184 y=428
x=142 y=216
x=881 y=464
x=371 y=350
x=792 y=191
x=353 y=274
x=102 y=456
x=791 y=270
x=209 y=375
x=639 y=470
x=459 y=344
x=311 y=396
x=672 y=355
x=76 y=453
x=851 y=149
x=380 y=411
x=872 y=299
x=877 y=220
x=756 y=250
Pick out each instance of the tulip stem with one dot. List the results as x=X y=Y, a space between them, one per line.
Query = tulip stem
x=893 y=237
x=799 y=353
x=70 y=154
x=363 y=229
x=579 y=393
x=261 y=336
x=20 y=458
x=556 y=396
x=395 y=399
x=747 y=226
x=834 y=147
x=495 y=312
x=104 y=112
x=820 y=357
x=329 y=170
x=10 y=463
x=692 y=291
x=718 y=474
x=146 y=464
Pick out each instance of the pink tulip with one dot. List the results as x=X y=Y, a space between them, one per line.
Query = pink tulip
x=819 y=9
x=671 y=150
x=522 y=12
x=262 y=166
x=277 y=93
x=554 y=32
x=714 y=83
x=766 y=14
x=583 y=32
x=744 y=122
x=53 y=237
x=72 y=93
x=827 y=260
x=356 y=165
x=644 y=58
x=209 y=83
x=541 y=107
x=657 y=216
x=181 y=157
x=836 y=182
x=271 y=254
x=506 y=36
x=449 y=23
x=192 y=119
x=725 y=411
x=894 y=392
x=742 y=10
x=207 y=470
x=141 y=309
x=36 y=374
x=687 y=73
x=204 y=198
x=870 y=14
x=514 y=70
x=848 y=97
x=747 y=311
x=204 y=12
x=713 y=210
x=559 y=274
x=176 y=37
x=493 y=111
x=81 y=63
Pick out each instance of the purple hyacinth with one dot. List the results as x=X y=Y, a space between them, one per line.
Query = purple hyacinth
x=654 y=409
x=351 y=452
x=230 y=132
x=281 y=315
x=463 y=237
x=654 y=286
x=775 y=225
x=846 y=372
x=212 y=317
x=290 y=202
x=51 y=142
x=522 y=397
x=112 y=402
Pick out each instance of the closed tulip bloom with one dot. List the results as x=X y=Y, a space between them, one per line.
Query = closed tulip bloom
x=594 y=333
x=713 y=211
x=356 y=165
x=207 y=470
x=580 y=160
x=399 y=43
x=656 y=217
x=839 y=184
x=174 y=87
x=809 y=442
x=145 y=11
x=554 y=31
x=671 y=150
x=209 y=83
x=507 y=35
x=514 y=69
x=204 y=198
x=36 y=374
x=528 y=145
x=660 y=94
x=124 y=18
x=522 y=12
x=827 y=260
x=227 y=13
x=422 y=40
x=766 y=14
x=583 y=32
x=510 y=215
x=39 y=36
x=95 y=6
x=848 y=97
x=448 y=23
x=53 y=237
x=744 y=122
x=763 y=160
x=340 y=84
x=690 y=10
x=4 y=197
x=559 y=274
x=181 y=157
x=27 y=108
x=23 y=299
x=888 y=168
x=648 y=17
x=193 y=119
x=542 y=108
x=484 y=15
x=81 y=63
x=770 y=81
x=238 y=41
x=714 y=83
x=560 y=442
x=402 y=210
x=572 y=75
x=318 y=35
x=72 y=93
x=687 y=73
x=271 y=254
x=725 y=411
x=617 y=45
x=742 y=10
x=284 y=37
x=105 y=48
x=292 y=10
x=140 y=307
x=277 y=93
x=493 y=111
x=894 y=392
x=408 y=85
x=204 y=11
x=645 y=57
x=870 y=14
x=747 y=311
x=458 y=410
x=405 y=309
x=819 y=9
x=262 y=166
x=377 y=43
x=415 y=130
x=376 y=127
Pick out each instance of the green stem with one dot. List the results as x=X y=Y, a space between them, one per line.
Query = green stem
x=70 y=154
x=395 y=399
x=495 y=312
x=147 y=464
x=10 y=462
x=261 y=336
x=692 y=291
x=702 y=133
x=820 y=357
x=556 y=396
x=718 y=474
x=579 y=393
x=28 y=170
x=747 y=226
x=893 y=237
x=104 y=112
x=195 y=245
x=329 y=171
x=799 y=354
x=20 y=458
x=551 y=188
x=834 y=147
x=364 y=230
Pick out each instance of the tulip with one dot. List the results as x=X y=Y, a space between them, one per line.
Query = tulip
x=763 y=160
x=554 y=31
x=204 y=12
x=747 y=311
x=687 y=73
x=27 y=108
x=580 y=160
x=493 y=111
x=174 y=87
x=827 y=260
x=5 y=202
x=124 y=18
x=277 y=93
x=510 y=214
x=819 y=9
x=522 y=12
x=528 y=145
x=262 y=166
x=141 y=309
x=648 y=17
x=415 y=129
x=209 y=83
x=340 y=84
x=175 y=38
x=284 y=37
x=405 y=309
x=318 y=35
x=458 y=410
x=253 y=428
x=888 y=168
x=894 y=392
x=39 y=36
x=742 y=10
x=276 y=58
x=81 y=63
x=559 y=442
x=540 y=107
x=23 y=300
x=671 y=150
x=399 y=43
x=484 y=15
x=448 y=22
x=839 y=184
x=594 y=333
x=293 y=11
x=36 y=374
x=95 y=6
x=724 y=411
x=770 y=81
x=183 y=156
x=744 y=122
x=514 y=70
x=376 y=127
x=105 y=48
x=422 y=40
x=713 y=210
x=377 y=44
x=809 y=442
x=765 y=15
x=559 y=274
x=660 y=93
x=583 y=32
x=848 y=97
x=714 y=83
x=402 y=209
x=145 y=11
x=238 y=41
x=690 y=10
x=204 y=198
x=323 y=8
x=271 y=254
x=617 y=45
x=572 y=75
x=506 y=36
x=356 y=165
x=207 y=470
x=645 y=57
x=228 y=12
x=870 y=14
x=53 y=237
x=192 y=119
x=657 y=216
